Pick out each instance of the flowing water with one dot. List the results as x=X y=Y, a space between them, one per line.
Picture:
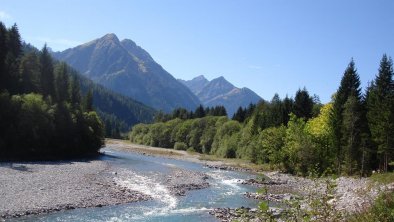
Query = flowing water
x=145 y=174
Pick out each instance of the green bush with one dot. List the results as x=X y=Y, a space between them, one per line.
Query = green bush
x=180 y=146
x=191 y=150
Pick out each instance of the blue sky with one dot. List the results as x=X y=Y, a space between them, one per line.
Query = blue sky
x=271 y=46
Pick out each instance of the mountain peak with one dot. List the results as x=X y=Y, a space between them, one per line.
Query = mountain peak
x=128 y=69
x=110 y=36
x=200 y=78
x=219 y=91
x=222 y=82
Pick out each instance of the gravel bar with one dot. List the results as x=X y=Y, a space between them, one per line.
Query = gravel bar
x=28 y=188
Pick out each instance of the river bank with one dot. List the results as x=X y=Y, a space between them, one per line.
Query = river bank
x=41 y=187
x=351 y=194
x=29 y=188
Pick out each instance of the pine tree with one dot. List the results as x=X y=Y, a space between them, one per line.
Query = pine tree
x=303 y=104
x=239 y=115
x=47 y=75
x=88 y=102
x=30 y=73
x=288 y=107
x=3 y=54
x=380 y=104
x=61 y=82
x=351 y=134
x=276 y=110
x=14 y=51
x=75 y=94
x=200 y=112
x=350 y=85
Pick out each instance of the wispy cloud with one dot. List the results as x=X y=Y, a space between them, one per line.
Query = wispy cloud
x=58 y=43
x=4 y=15
x=255 y=67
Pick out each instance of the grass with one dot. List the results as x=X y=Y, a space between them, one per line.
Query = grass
x=384 y=178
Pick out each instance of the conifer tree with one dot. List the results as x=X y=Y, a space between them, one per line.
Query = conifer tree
x=350 y=85
x=3 y=54
x=200 y=112
x=288 y=107
x=276 y=110
x=47 y=75
x=62 y=82
x=239 y=115
x=75 y=94
x=380 y=104
x=303 y=104
x=88 y=102
x=14 y=50
x=351 y=134
x=29 y=69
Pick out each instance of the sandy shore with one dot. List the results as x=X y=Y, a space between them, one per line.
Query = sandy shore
x=42 y=187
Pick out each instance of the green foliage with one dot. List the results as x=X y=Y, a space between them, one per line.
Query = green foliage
x=272 y=141
x=38 y=118
x=300 y=136
x=321 y=133
x=299 y=149
x=180 y=146
x=384 y=178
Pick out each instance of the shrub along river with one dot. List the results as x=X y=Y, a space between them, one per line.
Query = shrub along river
x=150 y=175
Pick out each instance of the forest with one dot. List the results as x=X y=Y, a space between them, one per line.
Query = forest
x=350 y=135
x=43 y=115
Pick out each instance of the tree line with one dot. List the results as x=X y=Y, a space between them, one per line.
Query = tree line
x=352 y=134
x=184 y=114
x=43 y=114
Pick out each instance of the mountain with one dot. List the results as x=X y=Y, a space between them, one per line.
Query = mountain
x=196 y=84
x=118 y=112
x=129 y=70
x=219 y=91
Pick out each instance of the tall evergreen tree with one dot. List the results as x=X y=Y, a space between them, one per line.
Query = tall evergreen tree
x=288 y=107
x=303 y=104
x=75 y=94
x=30 y=73
x=239 y=115
x=14 y=50
x=380 y=103
x=276 y=110
x=88 y=102
x=3 y=54
x=47 y=74
x=350 y=85
x=62 y=82
x=351 y=134
x=200 y=112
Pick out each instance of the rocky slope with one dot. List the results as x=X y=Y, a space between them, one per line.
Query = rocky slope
x=128 y=69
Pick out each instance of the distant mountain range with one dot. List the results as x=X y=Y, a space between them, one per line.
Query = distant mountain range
x=221 y=92
x=126 y=68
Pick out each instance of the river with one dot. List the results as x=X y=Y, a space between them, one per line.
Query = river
x=144 y=173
